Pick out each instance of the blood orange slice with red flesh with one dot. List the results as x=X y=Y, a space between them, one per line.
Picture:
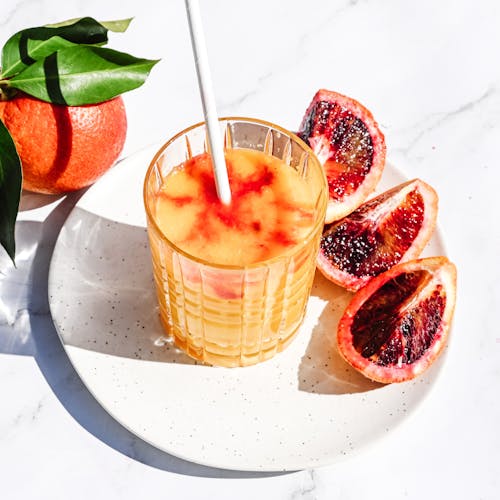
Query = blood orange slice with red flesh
x=349 y=145
x=390 y=228
x=396 y=326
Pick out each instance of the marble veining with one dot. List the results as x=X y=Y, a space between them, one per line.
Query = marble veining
x=307 y=489
x=435 y=120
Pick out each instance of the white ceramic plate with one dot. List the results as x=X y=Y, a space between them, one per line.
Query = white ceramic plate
x=304 y=408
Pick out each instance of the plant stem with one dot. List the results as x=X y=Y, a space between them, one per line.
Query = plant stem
x=6 y=93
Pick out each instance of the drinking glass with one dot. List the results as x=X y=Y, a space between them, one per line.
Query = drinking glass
x=230 y=315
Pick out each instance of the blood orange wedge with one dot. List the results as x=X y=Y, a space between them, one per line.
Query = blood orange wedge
x=390 y=228
x=349 y=145
x=397 y=325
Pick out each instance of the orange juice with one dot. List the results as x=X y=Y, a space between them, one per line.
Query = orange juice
x=233 y=281
x=271 y=210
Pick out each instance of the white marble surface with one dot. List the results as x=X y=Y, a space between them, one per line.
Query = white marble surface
x=429 y=72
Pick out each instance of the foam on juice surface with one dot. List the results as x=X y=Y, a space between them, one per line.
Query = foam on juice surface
x=271 y=209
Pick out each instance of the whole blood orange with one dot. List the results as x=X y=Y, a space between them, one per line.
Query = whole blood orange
x=350 y=146
x=64 y=148
x=397 y=325
x=392 y=227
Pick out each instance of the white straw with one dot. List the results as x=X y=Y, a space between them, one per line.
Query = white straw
x=208 y=101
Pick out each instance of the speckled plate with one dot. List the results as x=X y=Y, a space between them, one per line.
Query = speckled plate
x=304 y=408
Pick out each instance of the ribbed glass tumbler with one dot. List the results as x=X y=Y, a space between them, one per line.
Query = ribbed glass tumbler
x=228 y=315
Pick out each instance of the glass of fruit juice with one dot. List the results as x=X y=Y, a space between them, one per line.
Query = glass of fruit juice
x=233 y=281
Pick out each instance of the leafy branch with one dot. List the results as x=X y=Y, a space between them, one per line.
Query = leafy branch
x=65 y=64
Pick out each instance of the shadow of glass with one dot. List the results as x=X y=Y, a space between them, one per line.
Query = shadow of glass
x=109 y=302
x=322 y=370
x=36 y=243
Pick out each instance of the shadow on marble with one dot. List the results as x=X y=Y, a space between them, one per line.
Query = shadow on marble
x=322 y=370
x=31 y=201
x=15 y=335
x=36 y=242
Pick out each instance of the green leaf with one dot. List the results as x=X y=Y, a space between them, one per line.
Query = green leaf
x=33 y=44
x=118 y=26
x=10 y=190
x=82 y=75
x=36 y=50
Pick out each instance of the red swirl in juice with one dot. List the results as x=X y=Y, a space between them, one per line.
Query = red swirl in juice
x=272 y=209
